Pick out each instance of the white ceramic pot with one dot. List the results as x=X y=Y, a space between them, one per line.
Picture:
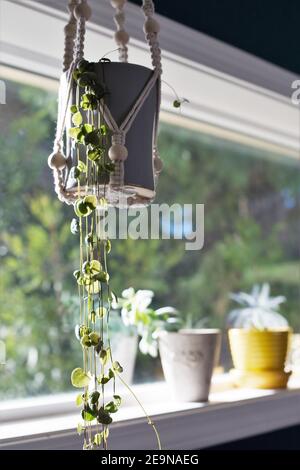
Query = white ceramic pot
x=188 y=359
x=124 y=351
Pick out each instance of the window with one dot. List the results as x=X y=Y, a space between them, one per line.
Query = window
x=252 y=205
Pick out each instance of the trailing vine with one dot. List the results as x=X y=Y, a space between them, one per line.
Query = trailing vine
x=90 y=142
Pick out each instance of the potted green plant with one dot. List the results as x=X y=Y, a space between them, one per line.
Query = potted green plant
x=188 y=352
x=136 y=311
x=259 y=339
x=124 y=343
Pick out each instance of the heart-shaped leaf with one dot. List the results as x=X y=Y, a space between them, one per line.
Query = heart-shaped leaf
x=79 y=378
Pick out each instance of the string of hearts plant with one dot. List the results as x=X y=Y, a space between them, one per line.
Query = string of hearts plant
x=93 y=280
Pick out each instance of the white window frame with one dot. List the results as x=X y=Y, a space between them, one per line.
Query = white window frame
x=232 y=95
x=231 y=92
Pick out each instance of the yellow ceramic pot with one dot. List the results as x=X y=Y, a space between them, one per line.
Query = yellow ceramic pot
x=259 y=357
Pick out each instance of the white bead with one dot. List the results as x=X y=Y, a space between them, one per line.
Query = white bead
x=57 y=161
x=121 y=37
x=83 y=11
x=118 y=152
x=151 y=26
x=117 y=3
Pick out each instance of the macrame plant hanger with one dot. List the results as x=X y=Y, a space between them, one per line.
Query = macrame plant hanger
x=104 y=154
x=60 y=161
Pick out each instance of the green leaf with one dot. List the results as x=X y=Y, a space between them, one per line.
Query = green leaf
x=81 y=166
x=95 y=154
x=108 y=246
x=79 y=400
x=104 y=417
x=77 y=119
x=79 y=378
x=88 y=415
x=73 y=132
x=86 y=341
x=94 y=338
x=104 y=355
x=93 y=288
x=76 y=74
x=117 y=367
x=103 y=129
x=89 y=102
x=104 y=379
x=84 y=330
x=111 y=407
x=87 y=128
x=94 y=397
x=90 y=201
x=83 y=65
x=74 y=109
x=100 y=90
x=87 y=79
x=92 y=138
x=102 y=276
x=98 y=439
x=101 y=312
x=81 y=209
x=117 y=400
x=95 y=266
x=80 y=137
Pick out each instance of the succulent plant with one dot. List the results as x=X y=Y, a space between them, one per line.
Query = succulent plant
x=259 y=310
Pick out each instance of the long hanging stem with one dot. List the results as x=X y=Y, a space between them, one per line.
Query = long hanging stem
x=150 y=422
x=92 y=276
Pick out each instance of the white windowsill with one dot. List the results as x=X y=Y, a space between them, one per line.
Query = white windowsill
x=231 y=414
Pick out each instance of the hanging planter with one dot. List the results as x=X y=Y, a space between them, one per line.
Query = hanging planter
x=105 y=154
x=113 y=108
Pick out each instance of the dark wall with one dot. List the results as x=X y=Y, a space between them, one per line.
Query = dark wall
x=266 y=28
x=284 y=439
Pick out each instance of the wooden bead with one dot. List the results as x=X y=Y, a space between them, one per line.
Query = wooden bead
x=151 y=26
x=118 y=152
x=121 y=37
x=158 y=165
x=57 y=161
x=82 y=11
x=70 y=28
x=117 y=3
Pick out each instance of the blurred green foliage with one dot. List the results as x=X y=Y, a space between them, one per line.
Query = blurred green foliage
x=252 y=206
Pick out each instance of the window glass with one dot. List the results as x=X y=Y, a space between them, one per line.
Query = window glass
x=252 y=205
